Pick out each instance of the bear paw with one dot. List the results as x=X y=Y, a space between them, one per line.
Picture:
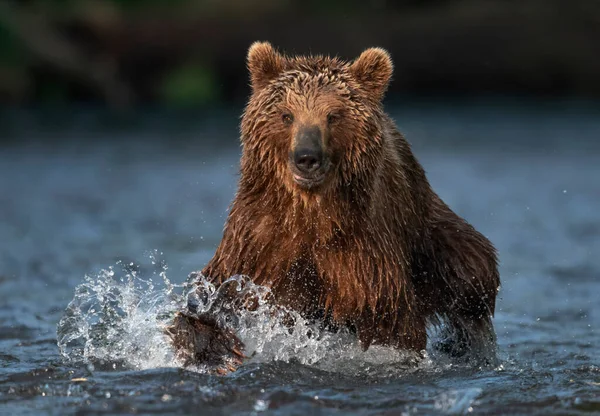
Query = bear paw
x=200 y=341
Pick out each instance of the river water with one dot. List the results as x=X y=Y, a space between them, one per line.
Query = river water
x=101 y=221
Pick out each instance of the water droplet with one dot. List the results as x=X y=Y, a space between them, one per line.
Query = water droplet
x=261 y=405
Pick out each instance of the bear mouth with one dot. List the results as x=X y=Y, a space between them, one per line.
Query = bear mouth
x=309 y=182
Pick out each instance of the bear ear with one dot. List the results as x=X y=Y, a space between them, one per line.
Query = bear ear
x=264 y=64
x=373 y=70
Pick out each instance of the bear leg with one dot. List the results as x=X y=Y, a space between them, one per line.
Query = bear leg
x=200 y=341
x=457 y=281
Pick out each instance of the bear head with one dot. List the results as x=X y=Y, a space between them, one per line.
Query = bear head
x=313 y=123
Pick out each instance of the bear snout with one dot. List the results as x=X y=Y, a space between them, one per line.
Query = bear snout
x=308 y=160
x=307 y=152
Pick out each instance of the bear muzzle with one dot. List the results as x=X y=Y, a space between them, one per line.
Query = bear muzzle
x=308 y=160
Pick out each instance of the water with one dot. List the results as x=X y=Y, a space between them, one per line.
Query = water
x=100 y=233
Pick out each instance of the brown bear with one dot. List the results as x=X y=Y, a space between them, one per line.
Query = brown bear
x=335 y=215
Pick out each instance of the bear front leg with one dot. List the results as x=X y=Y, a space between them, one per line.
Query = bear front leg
x=204 y=338
x=200 y=340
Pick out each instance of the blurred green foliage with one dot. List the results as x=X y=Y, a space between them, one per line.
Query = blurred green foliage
x=11 y=50
x=191 y=52
x=189 y=85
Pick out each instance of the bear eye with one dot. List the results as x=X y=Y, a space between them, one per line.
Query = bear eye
x=287 y=118
x=333 y=118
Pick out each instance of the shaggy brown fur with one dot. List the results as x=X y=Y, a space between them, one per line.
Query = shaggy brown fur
x=371 y=246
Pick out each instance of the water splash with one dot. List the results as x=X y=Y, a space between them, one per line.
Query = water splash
x=118 y=317
x=458 y=402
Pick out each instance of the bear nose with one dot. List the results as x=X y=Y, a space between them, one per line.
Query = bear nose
x=308 y=153
x=307 y=160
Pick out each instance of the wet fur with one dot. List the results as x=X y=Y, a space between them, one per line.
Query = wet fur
x=374 y=248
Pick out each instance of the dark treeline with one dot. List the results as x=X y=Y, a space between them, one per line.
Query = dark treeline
x=129 y=52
